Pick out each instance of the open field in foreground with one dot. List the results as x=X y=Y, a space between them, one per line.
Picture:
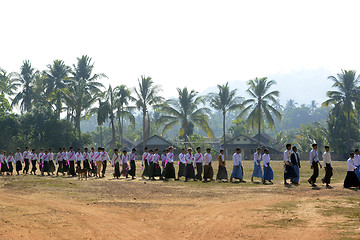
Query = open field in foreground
x=50 y=207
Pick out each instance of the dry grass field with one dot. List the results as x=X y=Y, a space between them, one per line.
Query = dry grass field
x=50 y=207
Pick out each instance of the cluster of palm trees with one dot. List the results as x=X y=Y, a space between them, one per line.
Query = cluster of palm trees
x=78 y=92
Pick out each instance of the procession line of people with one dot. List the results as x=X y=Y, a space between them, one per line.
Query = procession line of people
x=196 y=167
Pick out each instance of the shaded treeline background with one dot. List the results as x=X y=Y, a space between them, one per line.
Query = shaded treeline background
x=65 y=105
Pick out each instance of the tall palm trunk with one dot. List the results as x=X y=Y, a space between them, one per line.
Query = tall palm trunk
x=58 y=104
x=348 y=130
x=77 y=126
x=113 y=131
x=259 y=124
x=121 y=131
x=144 y=128
x=224 y=114
x=101 y=136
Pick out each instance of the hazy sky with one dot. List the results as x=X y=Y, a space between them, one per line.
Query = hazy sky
x=185 y=43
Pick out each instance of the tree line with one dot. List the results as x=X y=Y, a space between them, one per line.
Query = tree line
x=61 y=96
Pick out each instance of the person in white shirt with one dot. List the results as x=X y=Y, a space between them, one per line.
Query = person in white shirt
x=328 y=167
x=10 y=161
x=150 y=163
x=144 y=163
x=157 y=168
x=86 y=162
x=51 y=162
x=181 y=163
x=71 y=156
x=351 y=179
x=79 y=158
x=26 y=156
x=314 y=163
x=33 y=159
x=124 y=164
x=41 y=159
x=97 y=161
x=3 y=164
x=93 y=162
x=189 y=171
x=357 y=163
x=237 y=171
x=116 y=161
x=163 y=159
x=169 y=165
x=222 y=172
x=65 y=162
x=18 y=161
x=268 y=172
x=198 y=160
x=257 y=165
x=132 y=156
x=59 y=162
x=45 y=164
x=289 y=172
x=104 y=159
x=208 y=169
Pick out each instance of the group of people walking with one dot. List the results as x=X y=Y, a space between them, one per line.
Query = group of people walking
x=197 y=167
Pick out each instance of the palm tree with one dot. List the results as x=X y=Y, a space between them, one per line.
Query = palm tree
x=26 y=78
x=261 y=106
x=224 y=101
x=185 y=111
x=123 y=109
x=346 y=95
x=147 y=96
x=111 y=99
x=102 y=113
x=55 y=78
x=8 y=84
x=83 y=88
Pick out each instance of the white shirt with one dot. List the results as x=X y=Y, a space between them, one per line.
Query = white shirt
x=182 y=158
x=350 y=165
x=46 y=157
x=326 y=158
x=71 y=156
x=131 y=157
x=97 y=156
x=10 y=159
x=145 y=156
x=207 y=159
x=116 y=158
x=149 y=158
x=156 y=158
x=18 y=156
x=189 y=158
x=266 y=159
x=257 y=158
x=1 y=157
x=65 y=156
x=41 y=156
x=198 y=158
x=287 y=155
x=356 y=160
x=26 y=155
x=163 y=157
x=92 y=154
x=51 y=156
x=314 y=157
x=86 y=156
x=59 y=157
x=124 y=159
x=170 y=157
x=105 y=157
x=79 y=156
x=236 y=159
x=34 y=157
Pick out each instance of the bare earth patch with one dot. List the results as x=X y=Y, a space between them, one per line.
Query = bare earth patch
x=34 y=207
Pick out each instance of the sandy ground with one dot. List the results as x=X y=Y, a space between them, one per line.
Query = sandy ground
x=34 y=207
